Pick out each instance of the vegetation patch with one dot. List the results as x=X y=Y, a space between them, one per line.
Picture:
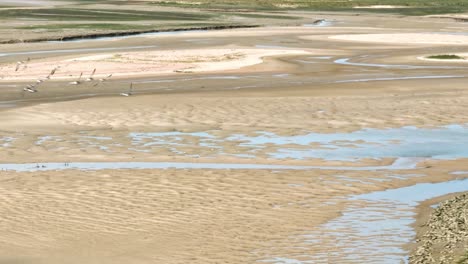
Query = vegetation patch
x=464 y=259
x=76 y=14
x=90 y=26
x=445 y=57
x=406 y=7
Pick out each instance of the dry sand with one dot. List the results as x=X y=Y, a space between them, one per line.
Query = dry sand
x=407 y=38
x=130 y=64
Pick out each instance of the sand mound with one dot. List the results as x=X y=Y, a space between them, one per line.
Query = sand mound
x=143 y=63
x=407 y=38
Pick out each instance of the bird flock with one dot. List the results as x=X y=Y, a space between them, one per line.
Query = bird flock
x=33 y=88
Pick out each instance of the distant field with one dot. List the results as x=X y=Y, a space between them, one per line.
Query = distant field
x=71 y=14
x=60 y=18
x=407 y=7
x=52 y=19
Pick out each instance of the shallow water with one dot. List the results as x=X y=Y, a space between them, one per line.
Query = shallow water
x=270 y=47
x=323 y=23
x=151 y=34
x=403 y=78
x=346 y=61
x=447 y=142
x=376 y=227
x=7 y=105
x=6 y=141
x=459 y=172
x=71 y=50
x=399 y=164
x=444 y=143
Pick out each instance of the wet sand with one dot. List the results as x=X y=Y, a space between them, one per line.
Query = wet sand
x=172 y=215
x=223 y=215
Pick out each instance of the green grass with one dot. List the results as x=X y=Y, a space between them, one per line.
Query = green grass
x=445 y=57
x=93 y=26
x=412 y=7
x=464 y=259
x=76 y=14
x=247 y=15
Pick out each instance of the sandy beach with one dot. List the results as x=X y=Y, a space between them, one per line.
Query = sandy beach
x=352 y=100
x=151 y=63
x=406 y=38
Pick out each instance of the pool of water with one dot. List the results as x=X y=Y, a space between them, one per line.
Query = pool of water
x=438 y=143
x=320 y=23
x=375 y=228
x=443 y=143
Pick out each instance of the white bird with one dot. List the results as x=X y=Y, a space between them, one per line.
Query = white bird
x=18 y=64
x=30 y=88
x=90 y=78
x=52 y=72
x=105 y=79
x=77 y=81
x=130 y=91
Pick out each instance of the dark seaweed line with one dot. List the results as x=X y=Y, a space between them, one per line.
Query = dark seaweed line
x=123 y=34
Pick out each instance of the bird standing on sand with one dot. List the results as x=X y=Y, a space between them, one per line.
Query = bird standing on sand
x=90 y=78
x=77 y=81
x=130 y=91
x=18 y=65
x=30 y=88
x=105 y=79
x=52 y=72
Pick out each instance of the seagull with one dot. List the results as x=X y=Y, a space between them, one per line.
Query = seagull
x=130 y=91
x=52 y=72
x=30 y=88
x=77 y=81
x=90 y=78
x=105 y=79
x=18 y=64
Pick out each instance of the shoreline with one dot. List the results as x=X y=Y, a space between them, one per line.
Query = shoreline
x=123 y=34
x=441 y=231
